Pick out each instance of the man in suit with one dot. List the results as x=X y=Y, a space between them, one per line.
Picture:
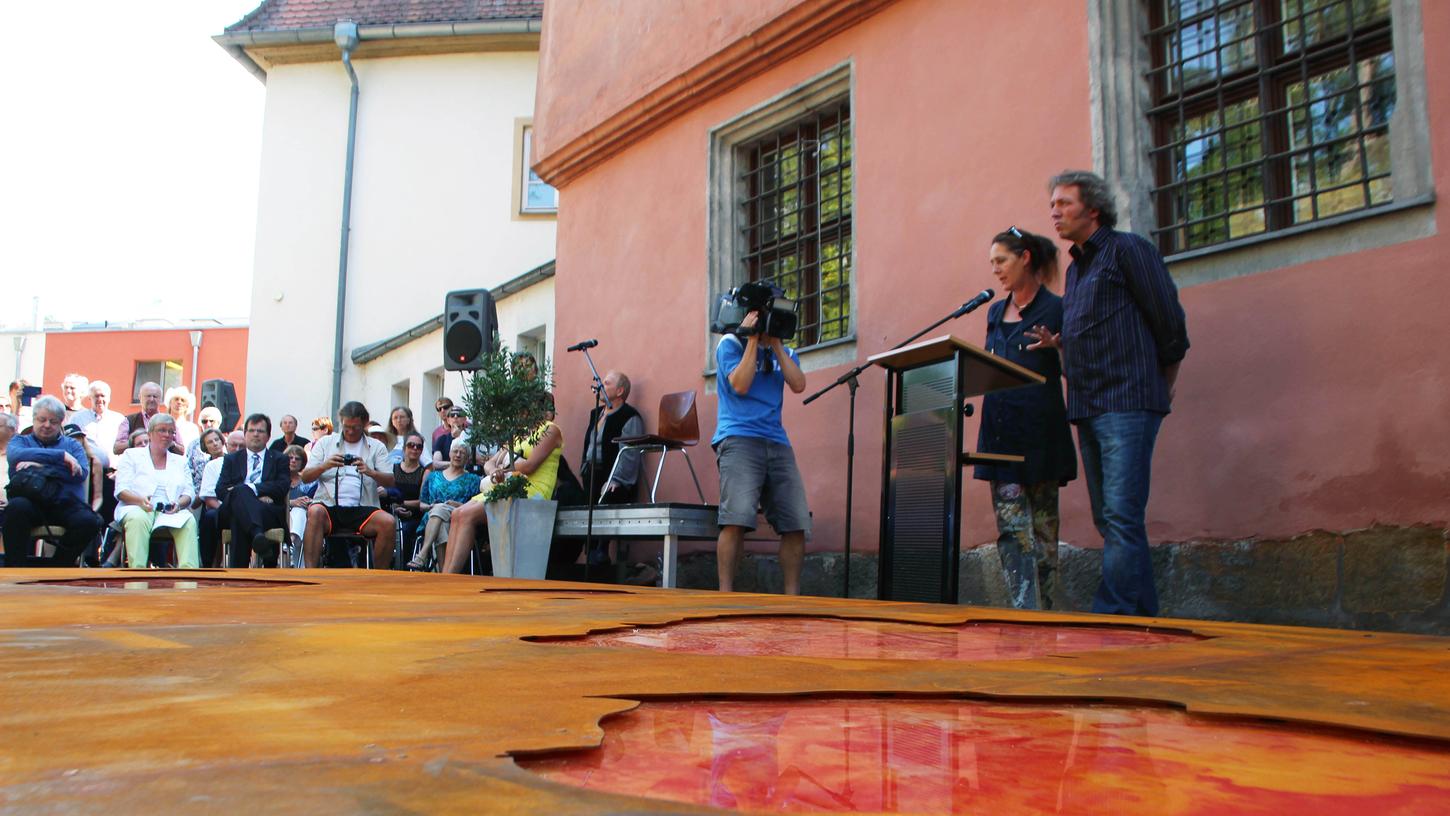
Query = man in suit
x=253 y=491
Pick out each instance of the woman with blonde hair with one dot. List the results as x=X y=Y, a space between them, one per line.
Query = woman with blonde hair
x=322 y=426
x=179 y=402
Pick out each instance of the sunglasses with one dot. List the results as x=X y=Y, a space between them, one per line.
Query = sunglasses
x=414 y=445
x=1016 y=233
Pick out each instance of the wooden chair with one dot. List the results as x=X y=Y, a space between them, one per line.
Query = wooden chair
x=277 y=535
x=679 y=429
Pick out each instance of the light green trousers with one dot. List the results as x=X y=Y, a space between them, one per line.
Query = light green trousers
x=138 y=541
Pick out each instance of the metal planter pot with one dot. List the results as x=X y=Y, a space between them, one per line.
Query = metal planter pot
x=520 y=532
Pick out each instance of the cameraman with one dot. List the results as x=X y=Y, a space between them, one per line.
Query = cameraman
x=757 y=465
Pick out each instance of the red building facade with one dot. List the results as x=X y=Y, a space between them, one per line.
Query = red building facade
x=1286 y=156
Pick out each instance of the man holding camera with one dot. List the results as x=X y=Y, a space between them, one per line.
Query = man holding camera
x=349 y=467
x=757 y=464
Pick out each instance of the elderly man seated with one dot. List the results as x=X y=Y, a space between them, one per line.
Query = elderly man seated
x=141 y=420
x=349 y=467
x=52 y=490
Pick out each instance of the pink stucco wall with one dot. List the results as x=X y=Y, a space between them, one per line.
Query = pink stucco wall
x=664 y=37
x=1315 y=396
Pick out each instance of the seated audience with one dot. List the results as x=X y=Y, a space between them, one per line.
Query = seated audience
x=211 y=521
x=8 y=427
x=153 y=489
x=400 y=424
x=210 y=446
x=17 y=406
x=73 y=391
x=443 y=492
x=179 y=403
x=289 y=437
x=253 y=489
x=64 y=467
x=299 y=495
x=537 y=459
x=150 y=394
x=349 y=467
x=443 y=406
x=100 y=423
x=402 y=498
x=455 y=427
x=322 y=426
x=615 y=475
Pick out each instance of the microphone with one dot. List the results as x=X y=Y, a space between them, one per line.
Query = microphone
x=586 y=344
x=985 y=296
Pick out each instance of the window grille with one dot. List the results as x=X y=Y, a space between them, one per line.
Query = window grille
x=797 y=218
x=1267 y=114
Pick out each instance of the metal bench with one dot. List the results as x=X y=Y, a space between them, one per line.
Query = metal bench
x=671 y=521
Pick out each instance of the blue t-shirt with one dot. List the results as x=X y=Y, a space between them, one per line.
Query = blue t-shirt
x=757 y=412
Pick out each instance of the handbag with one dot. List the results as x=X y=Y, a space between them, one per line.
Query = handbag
x=34 y=485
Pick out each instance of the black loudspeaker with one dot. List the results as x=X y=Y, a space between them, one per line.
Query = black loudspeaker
x=469 y=322
x=222 y=395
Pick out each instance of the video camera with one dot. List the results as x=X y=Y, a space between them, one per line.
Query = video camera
x=778 y=317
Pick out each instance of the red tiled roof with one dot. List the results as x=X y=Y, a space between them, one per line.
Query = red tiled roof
x=283 y=15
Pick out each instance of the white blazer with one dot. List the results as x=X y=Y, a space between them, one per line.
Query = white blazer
x=136 y=473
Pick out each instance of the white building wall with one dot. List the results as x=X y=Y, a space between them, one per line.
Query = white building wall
x=431 y=212
x=418 y=366
x=26 y=362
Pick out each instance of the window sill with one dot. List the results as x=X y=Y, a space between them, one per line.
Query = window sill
x=1302 y=229
x=1362 y=230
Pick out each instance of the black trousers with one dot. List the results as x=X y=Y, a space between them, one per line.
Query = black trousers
x=250 y=517
x=209 y=535
x=625 y=494
x=22 y=515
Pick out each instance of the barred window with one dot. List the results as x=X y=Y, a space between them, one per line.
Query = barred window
x=796 y=218
x=1267 y=114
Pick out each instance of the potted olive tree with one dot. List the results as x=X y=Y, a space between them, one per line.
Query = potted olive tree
x=508 y=402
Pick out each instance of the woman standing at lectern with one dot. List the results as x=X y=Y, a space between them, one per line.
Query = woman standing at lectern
x=1029 y=421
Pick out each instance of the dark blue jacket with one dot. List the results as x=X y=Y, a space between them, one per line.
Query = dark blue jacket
x=26 y=448
x=1122 y=325
x=1030 y=421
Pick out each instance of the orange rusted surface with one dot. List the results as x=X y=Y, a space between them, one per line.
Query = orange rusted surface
x=375 y=691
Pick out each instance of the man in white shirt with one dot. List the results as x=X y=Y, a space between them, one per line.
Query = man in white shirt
x=349 y=467
x=99 y=422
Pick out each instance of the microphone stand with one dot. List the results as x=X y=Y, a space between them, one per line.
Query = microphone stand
x=595 y=416
x=849 y=379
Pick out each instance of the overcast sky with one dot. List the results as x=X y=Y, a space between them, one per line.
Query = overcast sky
x=130 y=147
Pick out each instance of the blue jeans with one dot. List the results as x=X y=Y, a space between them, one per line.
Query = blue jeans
x=1117 y=459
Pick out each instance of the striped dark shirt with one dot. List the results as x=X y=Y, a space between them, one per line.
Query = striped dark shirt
x=1121 y=325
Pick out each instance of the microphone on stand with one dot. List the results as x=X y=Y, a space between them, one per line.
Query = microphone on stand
x=985 y=296
x=587 y=344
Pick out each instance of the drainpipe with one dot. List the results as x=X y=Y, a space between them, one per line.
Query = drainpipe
x=345 y=35
x=195 y=356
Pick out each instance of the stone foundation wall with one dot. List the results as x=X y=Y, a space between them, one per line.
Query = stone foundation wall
x=1381 y=578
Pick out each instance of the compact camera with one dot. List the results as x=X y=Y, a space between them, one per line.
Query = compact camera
x=349 y=459
x=778 y=316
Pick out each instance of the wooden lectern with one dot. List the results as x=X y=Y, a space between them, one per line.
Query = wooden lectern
x=921 y=505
